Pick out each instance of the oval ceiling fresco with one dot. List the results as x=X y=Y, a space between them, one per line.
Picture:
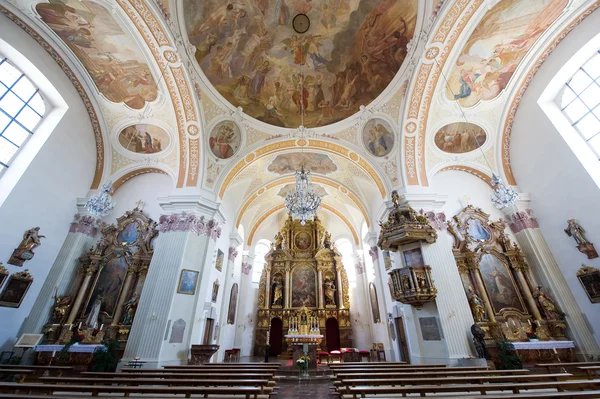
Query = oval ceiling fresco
x=225 y=139
x=250 y=53
x=378 y=137
x=291 y=162
x=144 y=139
x=460 y=137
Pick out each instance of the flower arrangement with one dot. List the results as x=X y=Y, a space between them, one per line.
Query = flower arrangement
x=77 y=338
x=531 y=335
x=302 y=364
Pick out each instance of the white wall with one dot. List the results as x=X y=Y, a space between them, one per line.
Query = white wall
x=45 y=195
x=545 y=166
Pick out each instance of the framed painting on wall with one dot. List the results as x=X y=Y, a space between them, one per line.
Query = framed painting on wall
x=387 y=260
x=430 y=330
x=3 y=274
x=413 y=257
x=589 y=277
x=187 y=282
x=17 y=286
x=219 y=263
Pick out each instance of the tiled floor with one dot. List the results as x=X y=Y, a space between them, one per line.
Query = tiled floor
x=314 y=388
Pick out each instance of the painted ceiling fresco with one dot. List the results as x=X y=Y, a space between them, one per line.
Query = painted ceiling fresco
x=107 y=52
x=291 y=162
x=497 y=46
x=253 y=57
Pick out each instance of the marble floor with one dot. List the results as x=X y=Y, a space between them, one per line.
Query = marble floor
x=314 y=388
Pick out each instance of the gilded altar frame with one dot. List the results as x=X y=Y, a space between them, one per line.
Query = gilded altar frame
x=303 y=272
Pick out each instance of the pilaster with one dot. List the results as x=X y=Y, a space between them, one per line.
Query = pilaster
x=546 y=271
x=81 y=236
x=246 y=304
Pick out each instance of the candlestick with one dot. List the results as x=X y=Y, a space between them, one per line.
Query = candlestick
x=529 y=321
x=101 y=326
x=554 y=350
x=506 y=323
x=79 y=325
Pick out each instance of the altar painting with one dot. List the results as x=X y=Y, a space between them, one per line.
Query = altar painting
x=499 y=283
x=109 y=54
x=108 y=285
x=304 y=288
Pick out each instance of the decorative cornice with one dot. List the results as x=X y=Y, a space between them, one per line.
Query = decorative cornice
x=85 y=224
x=522 y=220
x=232 y=254
x=246 y=268
x=189 y=222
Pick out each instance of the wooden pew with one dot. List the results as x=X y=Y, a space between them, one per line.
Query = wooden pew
x=165 y=375
x=480 y=379
x=197 y=371
x=57 y=370
x=575 y=365
x=591 y=371
x=381 y=364
x=230 y=366
x=527 y=395
x=206 y=382
x=21 y=372
x=244 y=391
x=364 y=391
x=406 y=370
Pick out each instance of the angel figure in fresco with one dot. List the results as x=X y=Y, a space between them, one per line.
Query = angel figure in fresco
x=298 y=48
x=31 y=239
x=476 y=306
x=203 y=49
x=312 y=49
x=329 y=292
x=575 y=230
x=328 y=18
x=282 y=12
x=547 y=305
x=300 y=96
x=221 y=144
x=218 y=18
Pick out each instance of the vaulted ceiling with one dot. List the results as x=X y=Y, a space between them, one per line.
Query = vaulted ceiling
x=209 y=92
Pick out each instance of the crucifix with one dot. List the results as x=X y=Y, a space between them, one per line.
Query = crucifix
x=139 y=205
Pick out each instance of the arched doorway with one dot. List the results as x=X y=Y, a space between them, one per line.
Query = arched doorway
x=333 y=334
x=276 y=336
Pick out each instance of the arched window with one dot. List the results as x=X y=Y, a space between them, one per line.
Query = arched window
x=260 y=250
x=580 y=100
x=344 y=246
x=21 y=110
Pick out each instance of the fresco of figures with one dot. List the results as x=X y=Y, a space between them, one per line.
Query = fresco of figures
x=378 y=137
x=499 y=284
x=290 y=163
x=288 y=188
x=460 y=137
x=497 y=46
x=144 y=139
x=253 y=57
x=225 y=139
x=109 y=54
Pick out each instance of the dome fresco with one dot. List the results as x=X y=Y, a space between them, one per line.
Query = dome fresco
x=249 y=51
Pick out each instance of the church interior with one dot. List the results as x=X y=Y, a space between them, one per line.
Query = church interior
x=293 y=198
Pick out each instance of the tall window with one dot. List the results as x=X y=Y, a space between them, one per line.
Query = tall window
x=260 y=250
x=580 y=102
x=21 y=110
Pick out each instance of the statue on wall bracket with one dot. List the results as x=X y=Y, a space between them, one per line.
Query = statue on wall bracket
x=575 y=230
x=24 y=252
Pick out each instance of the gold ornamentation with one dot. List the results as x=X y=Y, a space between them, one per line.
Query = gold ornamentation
x=412 y=285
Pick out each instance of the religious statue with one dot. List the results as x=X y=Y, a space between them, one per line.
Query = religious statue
x=61 y=307
x=575 y=230
x=24 y=252
x=130 y=308
x=421 y=281
x=405 y=282
x=329 y=288
x=278 y=240
x=92 y=319
x=476 y=306
x=277 y=294
x=327 y=240
x=479 y=342
x=395 y=199
x=547 y=305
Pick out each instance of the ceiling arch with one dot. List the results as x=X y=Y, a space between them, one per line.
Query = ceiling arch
x=307 y=144
x=315 y=179
x=281 y=207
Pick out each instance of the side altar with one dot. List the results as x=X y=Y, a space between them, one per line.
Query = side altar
x=303 y=293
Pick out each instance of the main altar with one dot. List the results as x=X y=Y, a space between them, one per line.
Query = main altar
x=303 y=303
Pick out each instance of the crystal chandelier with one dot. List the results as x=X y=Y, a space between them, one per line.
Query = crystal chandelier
x=102 y=203
x=502 y=196
x=303 y=203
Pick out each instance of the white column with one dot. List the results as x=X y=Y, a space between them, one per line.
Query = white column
x=64 y=270
x=364 y=305
x=547 y=272
x=245 y=307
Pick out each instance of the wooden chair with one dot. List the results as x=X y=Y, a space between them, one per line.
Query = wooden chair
x=323 y=355
x=364 y=355
x=228 y=355
x=335 y=356
x=236 y=355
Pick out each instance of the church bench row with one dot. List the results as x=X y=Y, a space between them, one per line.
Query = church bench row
x=527 y=395
x=269 y=366
x=423 y=390
x=247 y=392
x=39 y=369
x=382 y=364
x=361 y=370
x=196 y=370
x=22 y=373
x=550 y=366
x=441 y=373
x=342 y=383
x=263 y=383
x=591 y=371
x=166 y=375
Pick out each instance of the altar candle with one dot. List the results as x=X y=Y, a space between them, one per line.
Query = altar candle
x=79 y=325
x=554 y=350
x=101 y=325
x=506 y=324
x=529 y=321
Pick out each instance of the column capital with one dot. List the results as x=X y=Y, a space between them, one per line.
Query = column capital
x=417 y=201
x=519 y=216
x=195 y=205
x=235 y=240
x=85 y=224
x=189 y=222
x=374 y=252
x=371 y=238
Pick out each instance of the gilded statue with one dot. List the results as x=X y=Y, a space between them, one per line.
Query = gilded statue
x=405 y=282
x=421 y=281
x=31 y=239
x=130 y=308
x=395 y=199
x=61 y=307
x=575 y=230
x=277 y=294
x=547 y=304
x=476 y=306
x=327 y=240
x=329 y=288
x=278 y=240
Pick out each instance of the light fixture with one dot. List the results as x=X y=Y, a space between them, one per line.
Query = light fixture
x=503 y=196
x=102 y=203
x=302 y=203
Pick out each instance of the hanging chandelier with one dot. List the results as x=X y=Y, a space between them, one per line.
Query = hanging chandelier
x=303 y=203
x=102 y=203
